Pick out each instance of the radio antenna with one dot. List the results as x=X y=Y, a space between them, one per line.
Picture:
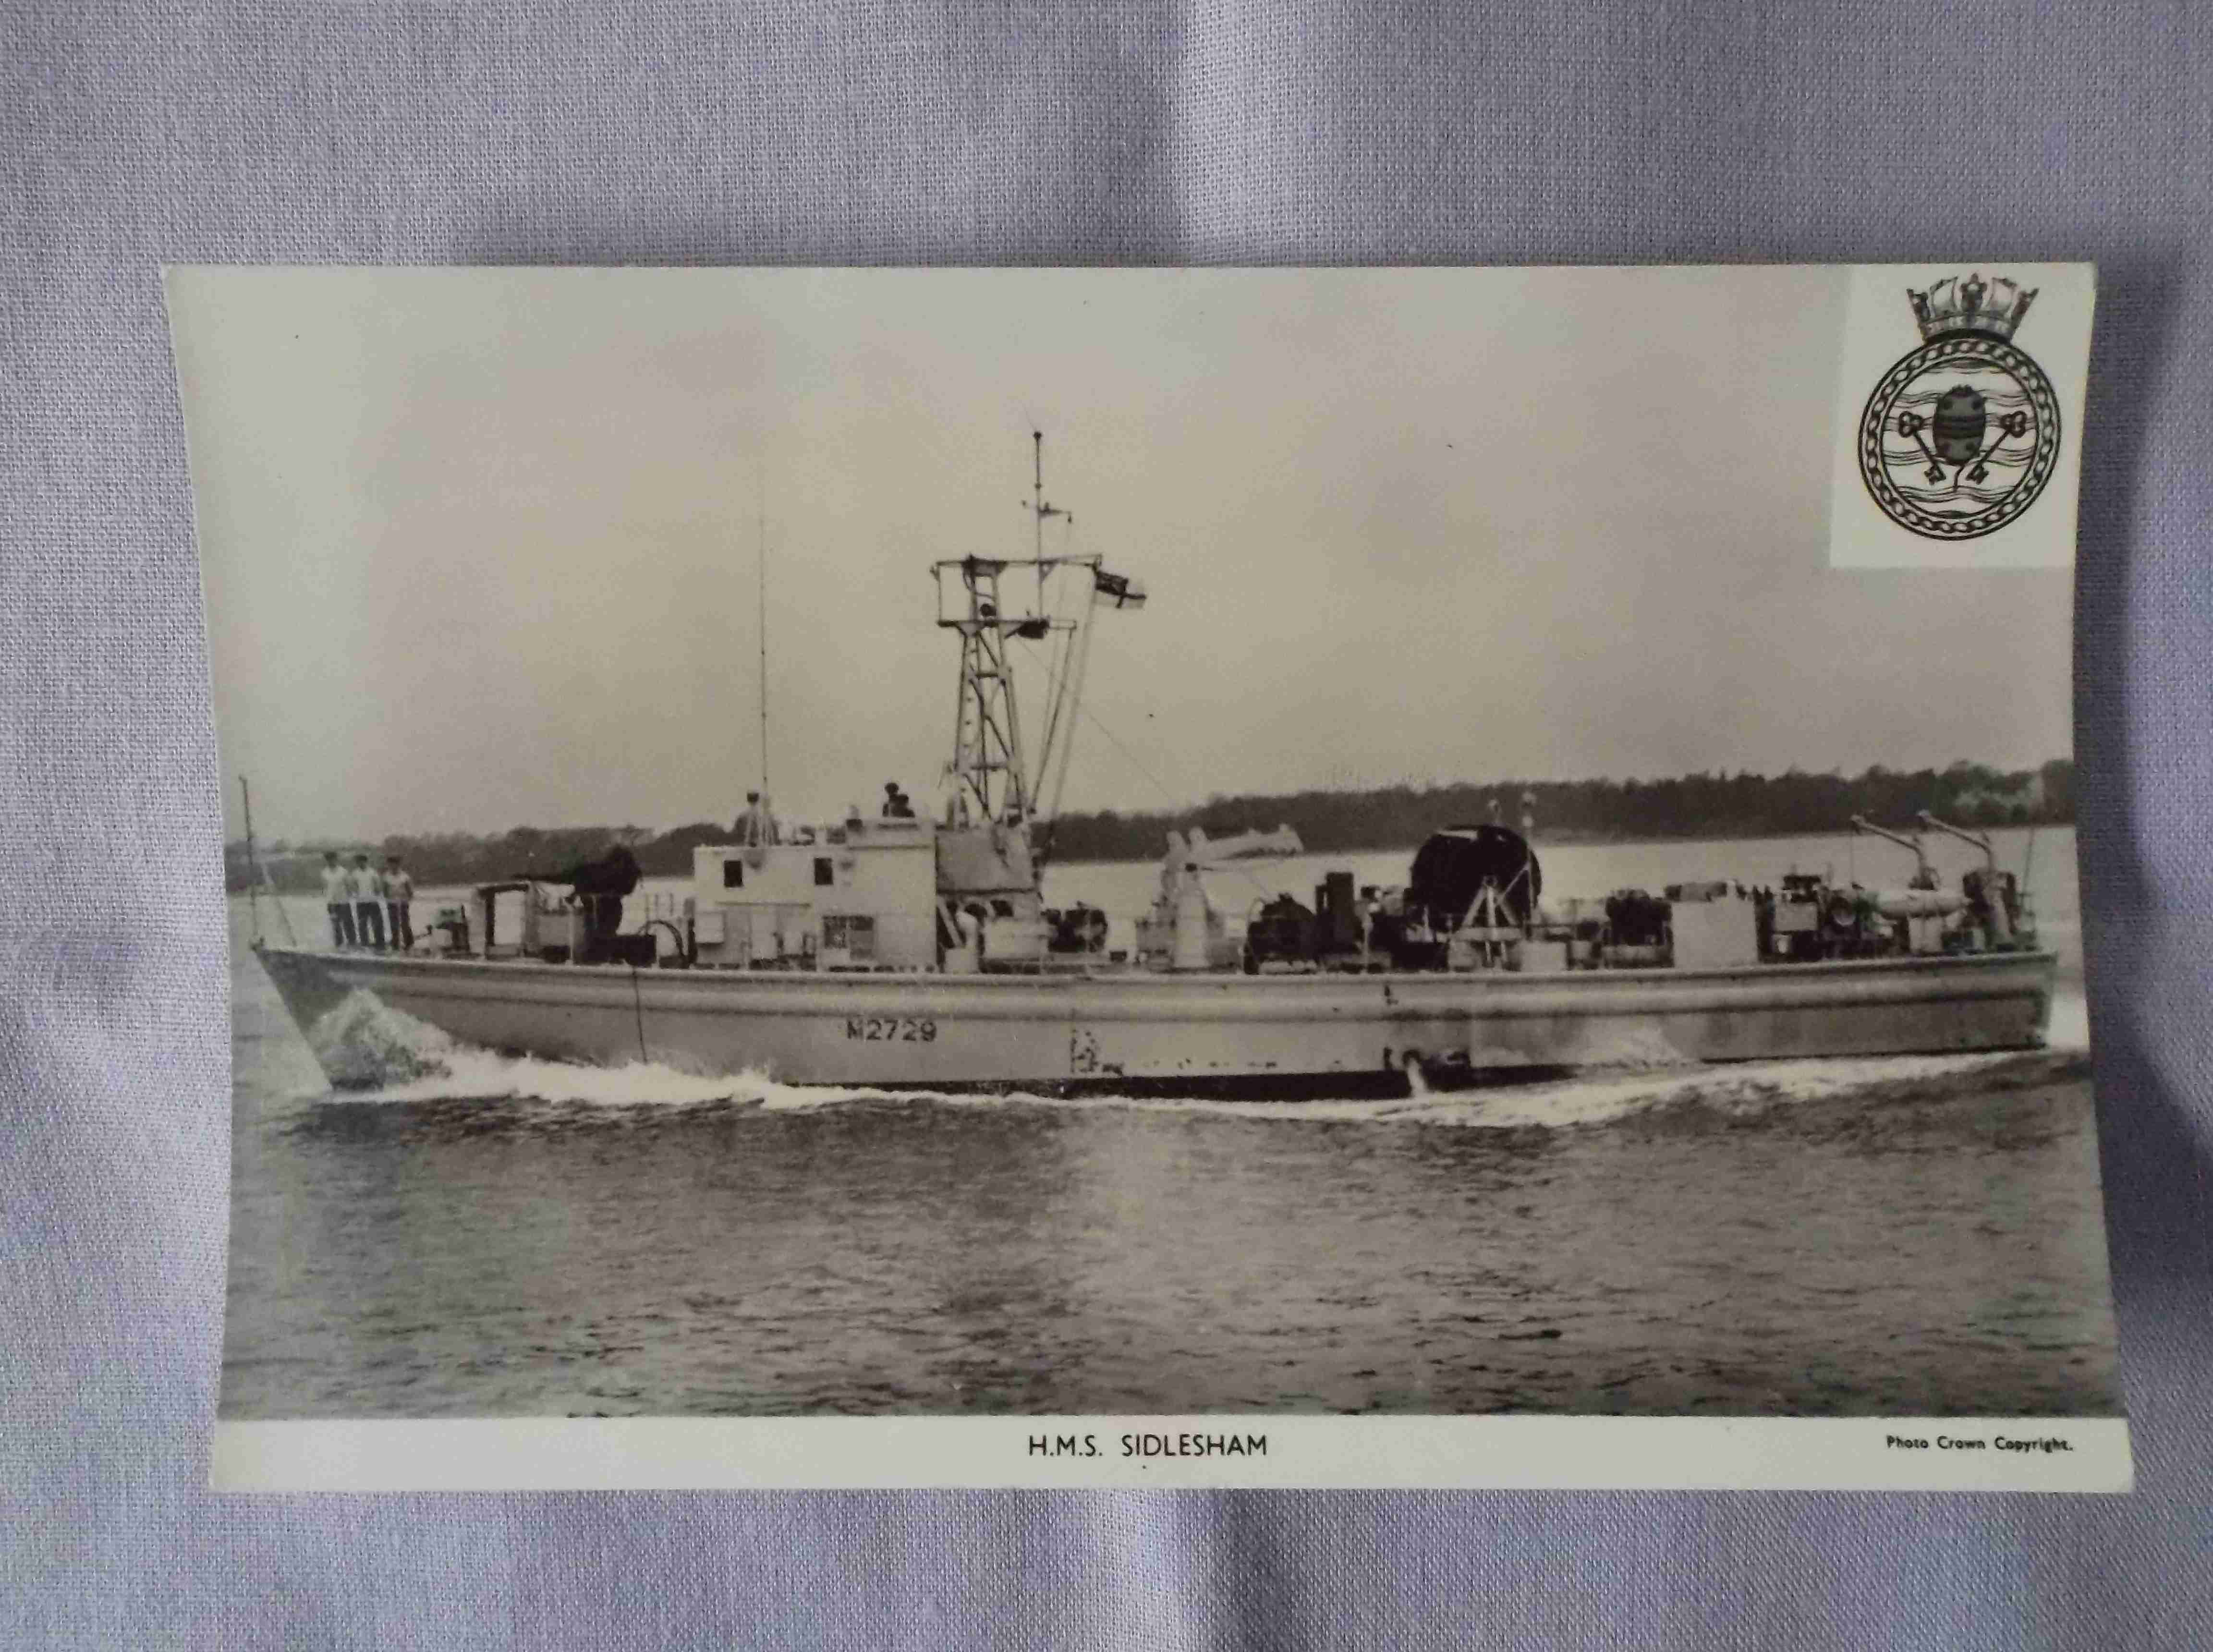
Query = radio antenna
x=760 y=570
x=253 y=865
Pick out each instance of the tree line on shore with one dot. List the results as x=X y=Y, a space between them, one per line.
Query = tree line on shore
x=1792 y=804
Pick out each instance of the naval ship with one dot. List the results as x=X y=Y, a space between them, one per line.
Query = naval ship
x=917 y=951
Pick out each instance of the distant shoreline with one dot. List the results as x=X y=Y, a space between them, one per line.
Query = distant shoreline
x=1542 y=840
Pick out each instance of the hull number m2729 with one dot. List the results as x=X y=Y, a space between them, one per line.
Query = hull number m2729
x=892 y=1029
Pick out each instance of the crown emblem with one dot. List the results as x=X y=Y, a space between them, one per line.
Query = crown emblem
x=1995 y=307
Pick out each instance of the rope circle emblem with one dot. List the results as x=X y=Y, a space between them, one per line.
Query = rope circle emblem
x=1960 y=437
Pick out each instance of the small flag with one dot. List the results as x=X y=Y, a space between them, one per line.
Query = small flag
x=1116 y=590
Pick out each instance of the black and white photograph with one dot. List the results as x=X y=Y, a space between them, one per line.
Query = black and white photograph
x=1266 y=846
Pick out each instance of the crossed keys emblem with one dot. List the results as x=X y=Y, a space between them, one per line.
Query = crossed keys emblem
x=1957 y=430
x=1995 y=433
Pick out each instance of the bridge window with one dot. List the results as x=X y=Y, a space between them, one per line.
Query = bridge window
x=734 y=873
x=823 y=876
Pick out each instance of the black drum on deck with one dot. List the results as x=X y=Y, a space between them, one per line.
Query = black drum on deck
x=1456 y=863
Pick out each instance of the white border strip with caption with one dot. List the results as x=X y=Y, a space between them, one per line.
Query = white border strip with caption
x=1587 y=1453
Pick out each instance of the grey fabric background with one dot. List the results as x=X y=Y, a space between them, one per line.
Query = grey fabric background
x=1302 y=130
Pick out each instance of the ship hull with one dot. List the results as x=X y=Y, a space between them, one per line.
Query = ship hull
x=914 y=1031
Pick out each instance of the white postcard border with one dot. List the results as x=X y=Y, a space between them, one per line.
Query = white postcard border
x=2063 y=1454
x=1875 y=327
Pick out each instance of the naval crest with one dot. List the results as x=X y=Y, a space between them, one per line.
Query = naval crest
x=1960 y=435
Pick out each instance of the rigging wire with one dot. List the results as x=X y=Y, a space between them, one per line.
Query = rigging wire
x=1154 y=780
x=258 y=877
x=1063 y=678
x=1069 y=655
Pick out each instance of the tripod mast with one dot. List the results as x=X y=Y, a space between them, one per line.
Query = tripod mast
x=989 y=770
x=991 y=777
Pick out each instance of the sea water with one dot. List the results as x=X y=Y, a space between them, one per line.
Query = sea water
x=473 y=1235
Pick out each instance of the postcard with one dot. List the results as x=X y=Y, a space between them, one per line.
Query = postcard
x=1494 y=901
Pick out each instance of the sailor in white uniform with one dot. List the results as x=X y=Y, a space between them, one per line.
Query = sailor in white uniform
x=368 y=903
x=338 y=896
x=399 y=897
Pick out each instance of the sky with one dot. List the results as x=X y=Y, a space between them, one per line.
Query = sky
x=479 y=548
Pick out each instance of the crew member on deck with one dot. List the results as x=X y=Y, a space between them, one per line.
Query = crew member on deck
x=897 y=805
x=398 y=896
x=337 y=895
x=368 y=903
x=757 y=825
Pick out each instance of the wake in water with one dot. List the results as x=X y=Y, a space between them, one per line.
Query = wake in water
x=375 y=1055
x=363 y=1044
